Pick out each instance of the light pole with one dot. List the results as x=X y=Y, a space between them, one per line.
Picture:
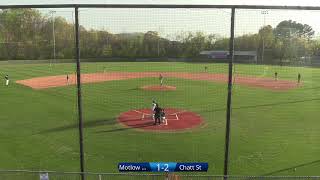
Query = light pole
x=158 y=41
x=158 y=47
x=53 y=37
x=291 y=44
x=264 y=12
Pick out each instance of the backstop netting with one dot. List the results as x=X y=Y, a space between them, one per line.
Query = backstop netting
x=154 y=86
x=137 y=56
x=38 y=102
x=275 y=92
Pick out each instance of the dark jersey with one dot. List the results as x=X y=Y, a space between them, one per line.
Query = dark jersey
x=6 y=77
x=157 y=112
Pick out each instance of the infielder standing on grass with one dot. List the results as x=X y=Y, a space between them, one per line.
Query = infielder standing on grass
x=161 y=79
x=6 y=77
x=276 y=76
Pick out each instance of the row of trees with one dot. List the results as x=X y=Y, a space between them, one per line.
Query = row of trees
x=27 y=34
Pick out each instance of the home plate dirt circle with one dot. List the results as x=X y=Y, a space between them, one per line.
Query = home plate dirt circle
x=158 y=88
x=177 y=119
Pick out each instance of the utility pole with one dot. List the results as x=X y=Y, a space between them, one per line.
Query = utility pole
x=158 y=47
x=229 y=97
x=264 y=12
x=158 y=41
x=53 y=36
x=77 y=55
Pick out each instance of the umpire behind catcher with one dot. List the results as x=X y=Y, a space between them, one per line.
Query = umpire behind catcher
x=157 y=115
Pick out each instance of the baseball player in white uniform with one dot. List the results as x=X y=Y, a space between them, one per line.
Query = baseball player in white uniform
x=154 y=105
x=163 y=117
x=161 y=79
x=7 y=79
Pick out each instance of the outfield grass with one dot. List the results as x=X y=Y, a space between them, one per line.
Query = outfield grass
x=272 y=132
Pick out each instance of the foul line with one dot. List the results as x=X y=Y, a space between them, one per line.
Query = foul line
x=173 y=114
x=141 y=112
x=176 y=113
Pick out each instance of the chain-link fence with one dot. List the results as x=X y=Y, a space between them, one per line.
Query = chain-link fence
x=43 y=175
x=234 y=86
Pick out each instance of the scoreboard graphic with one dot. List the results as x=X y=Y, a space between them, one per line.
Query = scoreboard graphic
x=163 y=167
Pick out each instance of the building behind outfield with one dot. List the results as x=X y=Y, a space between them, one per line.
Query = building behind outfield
x=222 y=56
x=315 y=61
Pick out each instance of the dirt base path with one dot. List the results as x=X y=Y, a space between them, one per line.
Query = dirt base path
x=61 y=80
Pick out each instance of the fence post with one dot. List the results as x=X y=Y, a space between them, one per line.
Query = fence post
x=79 y=92
x=231 y=56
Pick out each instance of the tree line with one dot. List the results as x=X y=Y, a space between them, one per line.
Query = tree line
x=28 y=34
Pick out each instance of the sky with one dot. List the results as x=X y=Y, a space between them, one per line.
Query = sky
x=238 y=2
x=170 y=22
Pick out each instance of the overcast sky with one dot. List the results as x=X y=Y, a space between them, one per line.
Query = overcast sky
x=244 y=2
x=171 y=21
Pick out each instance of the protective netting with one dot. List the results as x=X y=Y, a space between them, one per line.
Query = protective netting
x=137 y=56
x=39 y=124
x=274 y=118
x=177 y=58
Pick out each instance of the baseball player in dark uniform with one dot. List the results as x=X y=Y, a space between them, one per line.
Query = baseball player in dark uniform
x=157 y=115
x=206 y=69
x=299 y=78
x=68 y=79
x=276 y=76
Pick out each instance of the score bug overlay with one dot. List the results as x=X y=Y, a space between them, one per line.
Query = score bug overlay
x=163 y=167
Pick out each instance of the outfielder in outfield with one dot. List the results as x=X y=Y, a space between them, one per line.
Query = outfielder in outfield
x=6 y=77
x=299 y=78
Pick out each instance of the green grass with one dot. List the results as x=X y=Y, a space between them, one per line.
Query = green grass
x=272 y=132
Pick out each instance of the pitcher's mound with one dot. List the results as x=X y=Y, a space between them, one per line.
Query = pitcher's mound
x=158 y=88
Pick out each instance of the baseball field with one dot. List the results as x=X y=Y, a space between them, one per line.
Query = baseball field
x=275 y=124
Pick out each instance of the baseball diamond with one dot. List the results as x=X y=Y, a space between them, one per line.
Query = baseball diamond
x=118 y=123
x=213 y=91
